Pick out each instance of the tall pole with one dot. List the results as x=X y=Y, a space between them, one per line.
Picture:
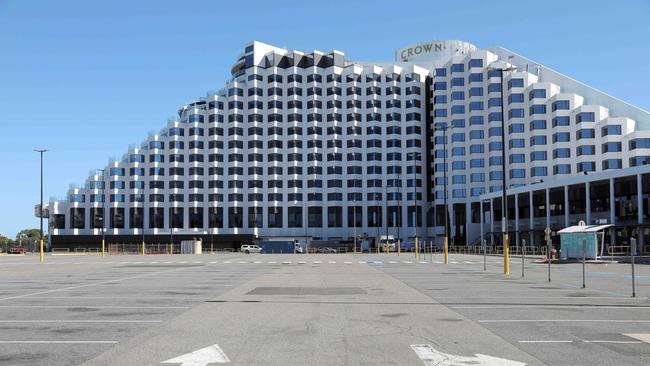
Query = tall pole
x=354 y=219
x=415 y=207
x=504 y=204
x=40 y=214
x=103 y=212
x=399 y=213
x=144 y=199
x=386 y=208
x=446 y=241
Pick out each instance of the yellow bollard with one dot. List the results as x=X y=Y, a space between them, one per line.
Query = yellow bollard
x=417 y=253
x=398 y=247
x=446 y=251
x=143 y=247
x=103 y=248
x=506 y=256
x=42 y=255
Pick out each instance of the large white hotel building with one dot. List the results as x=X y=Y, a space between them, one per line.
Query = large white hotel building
x=311 y=145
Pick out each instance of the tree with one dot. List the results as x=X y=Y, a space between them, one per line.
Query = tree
x=28 y=238
x=29 y=234
x=5 y=241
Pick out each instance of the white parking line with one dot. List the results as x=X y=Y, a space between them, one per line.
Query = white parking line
x=545 y=341
x=79 y=321
x=407 y=262
x=332 y=262
x=302 y=262
x=563 y=321
x=378 y=262
x=213 y=262
x=90 y=307
x=271 y=262
x=58 y=342
x=392 y=262
x=317 y=262
x=347 y=262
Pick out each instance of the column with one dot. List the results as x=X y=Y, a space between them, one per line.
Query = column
x=492 y=221
x=481 y=209
x=531 y=234
x=639 y=210
x=566 y=206
x=547 y=197
x=517 y=235
x=587 y=204
x=612 y=211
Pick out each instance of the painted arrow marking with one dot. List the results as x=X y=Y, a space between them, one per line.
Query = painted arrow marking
x=432 y=357
x=201 y=357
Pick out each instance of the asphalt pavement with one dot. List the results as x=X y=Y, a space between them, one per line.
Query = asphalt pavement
x=338 y=309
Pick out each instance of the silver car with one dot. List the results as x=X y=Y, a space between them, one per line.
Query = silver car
x=250 y=248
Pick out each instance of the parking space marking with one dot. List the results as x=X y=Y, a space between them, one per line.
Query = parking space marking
x=332 y=262
x=90 y=307
x=58 y=342
x=78 y=321
x=88 y=284
x=563 y=321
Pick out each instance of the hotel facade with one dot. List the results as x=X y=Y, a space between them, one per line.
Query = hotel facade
x=312 y=145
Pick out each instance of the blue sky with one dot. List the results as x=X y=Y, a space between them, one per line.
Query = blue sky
x=86 y=78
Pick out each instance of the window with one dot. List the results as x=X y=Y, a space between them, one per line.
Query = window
x=516 y=98
x=537 y=93
x=539 y=124
x=585 y=117
x=538 y=171
x=642 y=143
x=537 y=109
x=586 y=150
x=538 y=155
x=561 y=153
x=560 y=121
x=561 y=137
x=560 y=105
x=612 y=164
x=516 y=128
x=515 y=83
x=611 y=130
x=587 y=166
x=612 y=147
x=562 y=169
x=537 y=140
x=585 y=133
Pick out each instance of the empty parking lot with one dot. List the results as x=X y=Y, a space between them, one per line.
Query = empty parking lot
x=318 y=309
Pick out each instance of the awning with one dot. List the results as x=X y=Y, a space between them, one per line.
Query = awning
x=584 y=229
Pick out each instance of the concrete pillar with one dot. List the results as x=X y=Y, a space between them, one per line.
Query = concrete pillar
x=547 y=197
x=587 y=204
x=531 y=234
x=492 y=221
x=566 y=206
x=639 y=202
x=612 y=210
x=481 y=209
x=517 y=235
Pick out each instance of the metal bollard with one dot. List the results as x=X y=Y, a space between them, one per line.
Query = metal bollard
x=584 y=255
x=633 y=249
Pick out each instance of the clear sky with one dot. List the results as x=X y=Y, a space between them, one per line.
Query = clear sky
x=87 y=78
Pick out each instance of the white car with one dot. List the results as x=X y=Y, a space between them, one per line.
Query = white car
x=250 y=248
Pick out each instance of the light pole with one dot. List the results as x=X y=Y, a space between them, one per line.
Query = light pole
x=354 y=219
x=504 y=204
x=103 y=211
x=399 y=213
x=40 y=214
x=415 y=202
x=443 y=128
x=386 y=208
x=144 y=200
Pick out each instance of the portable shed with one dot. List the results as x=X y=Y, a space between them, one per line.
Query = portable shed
x=572 y=239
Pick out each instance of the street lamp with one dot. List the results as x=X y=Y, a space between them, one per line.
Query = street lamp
x=443 y=127
x=40 y=214
x=103 y=228
x=399 y=212
x=416 y=156
x=504 y=205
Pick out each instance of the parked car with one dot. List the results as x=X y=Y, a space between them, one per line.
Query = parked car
x=325 y=250
x=250 y=248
